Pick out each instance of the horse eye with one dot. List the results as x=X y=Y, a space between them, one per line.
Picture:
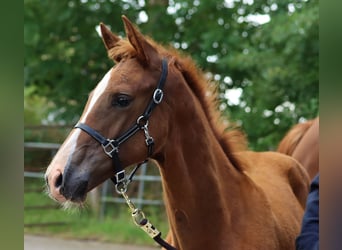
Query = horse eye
x=121 y=101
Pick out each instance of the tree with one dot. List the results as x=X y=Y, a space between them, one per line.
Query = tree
x=273 y=65
x=281 y=67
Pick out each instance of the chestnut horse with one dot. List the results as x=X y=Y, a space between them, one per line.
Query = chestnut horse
x=217 y=195
x=302 y=143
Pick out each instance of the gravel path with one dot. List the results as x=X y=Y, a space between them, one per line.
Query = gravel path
x=48 y=243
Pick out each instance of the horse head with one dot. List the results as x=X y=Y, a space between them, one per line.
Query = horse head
x=116 y=122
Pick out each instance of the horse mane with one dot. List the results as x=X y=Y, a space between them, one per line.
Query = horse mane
x=230 y=138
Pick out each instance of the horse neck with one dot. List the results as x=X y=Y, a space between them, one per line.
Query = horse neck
x=199 y=181
x=195 y=160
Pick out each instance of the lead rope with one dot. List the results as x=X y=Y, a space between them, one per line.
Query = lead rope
x=138 y=215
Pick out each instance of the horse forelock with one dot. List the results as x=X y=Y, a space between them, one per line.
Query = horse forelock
x=230 y=138
x=122 y=49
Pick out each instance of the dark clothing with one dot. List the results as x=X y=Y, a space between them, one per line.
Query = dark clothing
x=309 y=235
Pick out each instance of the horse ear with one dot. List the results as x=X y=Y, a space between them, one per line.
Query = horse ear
x=146 y=53
x=108 y=38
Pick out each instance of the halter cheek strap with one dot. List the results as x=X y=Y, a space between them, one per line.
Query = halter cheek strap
x=111 y=146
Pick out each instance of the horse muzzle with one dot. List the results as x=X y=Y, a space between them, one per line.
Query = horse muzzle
x=67 y=186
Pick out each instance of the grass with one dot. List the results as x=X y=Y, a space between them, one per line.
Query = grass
x=116 y=226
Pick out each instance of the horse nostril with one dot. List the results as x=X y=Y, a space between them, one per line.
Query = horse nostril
x=59 y=181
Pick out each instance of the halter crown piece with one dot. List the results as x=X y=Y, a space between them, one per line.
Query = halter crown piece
x=111 y=148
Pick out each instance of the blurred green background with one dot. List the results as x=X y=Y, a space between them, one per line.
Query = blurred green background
x=263 y=56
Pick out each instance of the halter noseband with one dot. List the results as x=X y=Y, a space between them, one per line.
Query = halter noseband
x=111 y=146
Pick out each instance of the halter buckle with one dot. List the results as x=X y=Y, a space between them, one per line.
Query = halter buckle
x=121 y=184
x=158 y=96
x=110 y=147
x=120 y=176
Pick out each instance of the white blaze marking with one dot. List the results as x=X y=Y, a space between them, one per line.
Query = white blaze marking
x=62 y=156
x=69 y=145
x=100 y=88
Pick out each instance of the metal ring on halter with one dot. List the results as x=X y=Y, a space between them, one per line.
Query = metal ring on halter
x=158 y=96
x=121 y=187
x=142 y=118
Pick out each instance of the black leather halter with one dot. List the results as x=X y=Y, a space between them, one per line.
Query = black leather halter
x=111 y=146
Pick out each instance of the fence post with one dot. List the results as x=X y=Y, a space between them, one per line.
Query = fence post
x=102 y=202
x=95 y=200
x=141 y=187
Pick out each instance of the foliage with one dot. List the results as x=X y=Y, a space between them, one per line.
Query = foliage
x=273 y=65
x=35 y=106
